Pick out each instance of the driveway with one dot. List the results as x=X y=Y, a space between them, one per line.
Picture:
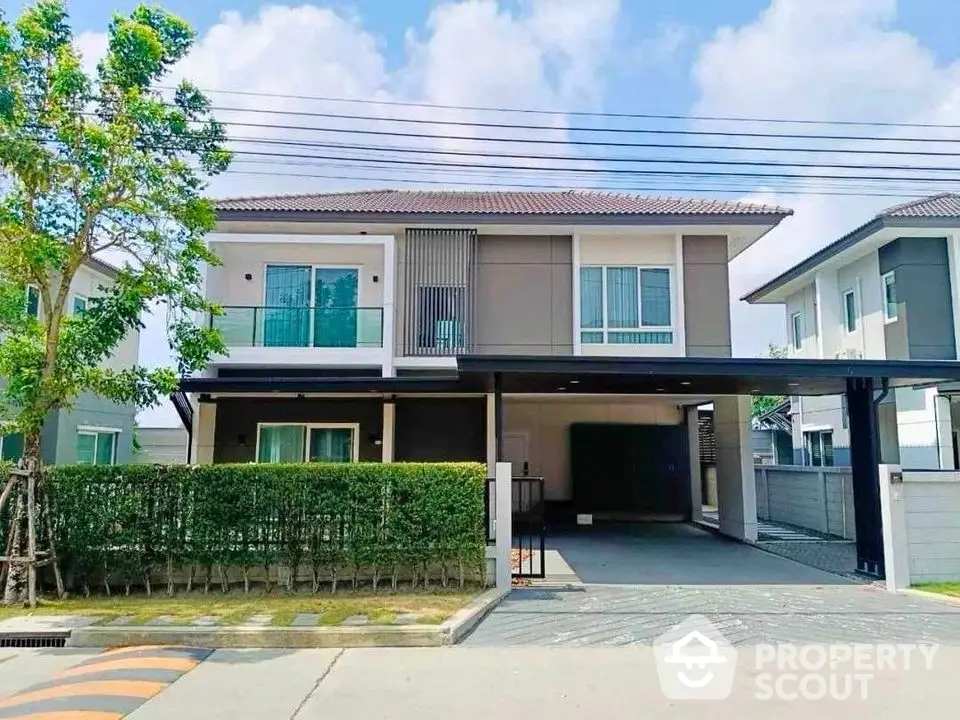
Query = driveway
x=638 y=582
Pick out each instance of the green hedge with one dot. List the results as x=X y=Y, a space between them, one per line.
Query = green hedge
x=359 y=522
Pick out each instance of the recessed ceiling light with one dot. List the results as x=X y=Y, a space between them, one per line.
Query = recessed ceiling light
x=561 y=388
x=685 y=382
x=661 y=389
x=794 y=384
x=574 y=382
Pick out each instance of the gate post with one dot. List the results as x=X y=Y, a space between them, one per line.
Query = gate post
x=504 y=524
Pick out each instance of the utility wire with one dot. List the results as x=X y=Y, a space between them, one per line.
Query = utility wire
x=593 y=143
x=612 y=171
x=586 y=113
x=553 y=128
x=574 y=158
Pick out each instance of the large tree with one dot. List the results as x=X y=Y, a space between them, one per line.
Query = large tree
x=763 y=404
x=95 y=165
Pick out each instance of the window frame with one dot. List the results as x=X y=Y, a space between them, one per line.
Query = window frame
x=97 y=432
x=796 y=330
x=26 y=300
x=808 y=435
x=73 y=303
x=887 y=280
x=605 y=330
x=852 y=293
x=307 y=427
x=3 y=437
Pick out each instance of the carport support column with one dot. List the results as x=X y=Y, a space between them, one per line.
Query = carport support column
x=202 y=436
x=693 y=440
x=865 y=465
x=736 y=478
x=504 y=524
x=389 y=426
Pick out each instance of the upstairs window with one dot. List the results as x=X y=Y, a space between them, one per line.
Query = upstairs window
x=441 y=317
x=79 y=304
x=889 y=282
x=796 y=330
x=625 y=305
x=33 y=301
x=850 y=312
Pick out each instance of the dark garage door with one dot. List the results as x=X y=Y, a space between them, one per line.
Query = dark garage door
x=630 y=471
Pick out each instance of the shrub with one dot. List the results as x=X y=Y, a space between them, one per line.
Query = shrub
x=342 y=522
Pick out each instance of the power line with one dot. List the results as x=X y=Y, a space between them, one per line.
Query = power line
x=594 y=143
x=643 y=131
x=657 y=188
x=613 y=171
x=587 y=113
x=573 y=158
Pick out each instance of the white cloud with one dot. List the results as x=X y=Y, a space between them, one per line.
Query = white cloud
x=824 y=60
x=547 y=54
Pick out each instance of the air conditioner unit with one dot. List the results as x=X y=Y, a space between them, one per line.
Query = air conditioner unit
x=849 y=354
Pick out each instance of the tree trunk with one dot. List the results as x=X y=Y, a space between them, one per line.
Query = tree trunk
x=14 y=589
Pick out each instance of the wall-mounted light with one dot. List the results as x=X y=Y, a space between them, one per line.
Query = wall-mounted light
x=248 y=276
x=376 y=278
x=375 y=439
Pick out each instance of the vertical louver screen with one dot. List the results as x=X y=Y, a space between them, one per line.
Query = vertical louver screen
x=439 y=281
x=708 y=438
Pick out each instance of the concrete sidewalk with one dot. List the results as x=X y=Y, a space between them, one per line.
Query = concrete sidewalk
x=480 y=683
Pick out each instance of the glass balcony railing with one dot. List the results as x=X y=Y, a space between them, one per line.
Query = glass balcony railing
x=327 y=327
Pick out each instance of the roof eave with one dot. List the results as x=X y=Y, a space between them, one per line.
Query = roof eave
x=760 y=219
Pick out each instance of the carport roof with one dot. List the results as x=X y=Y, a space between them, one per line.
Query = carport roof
x=610 y=375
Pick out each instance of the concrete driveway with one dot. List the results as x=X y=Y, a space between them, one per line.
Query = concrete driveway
x=638 y=582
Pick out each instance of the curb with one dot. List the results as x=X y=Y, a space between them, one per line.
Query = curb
x=467 y=618
x=449 y=632
x=937 y=597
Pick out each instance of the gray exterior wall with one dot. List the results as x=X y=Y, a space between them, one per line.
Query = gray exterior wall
x=59 y=439
x=924 y=326
x=440 y=430
x=235 y=437
x=817 y=498
x=524 y=295
x=706 y=296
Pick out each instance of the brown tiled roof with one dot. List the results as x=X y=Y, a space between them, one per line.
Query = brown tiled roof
x=936 y=206
x=565 y=202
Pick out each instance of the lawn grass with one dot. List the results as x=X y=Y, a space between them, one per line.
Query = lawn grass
x=434 y=606
x=943 y=588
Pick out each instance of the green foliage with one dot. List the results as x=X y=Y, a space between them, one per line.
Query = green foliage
x=122 y=524
x=765 y=403
x=99 y=166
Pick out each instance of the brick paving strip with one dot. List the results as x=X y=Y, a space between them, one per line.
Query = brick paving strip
x=107 y=687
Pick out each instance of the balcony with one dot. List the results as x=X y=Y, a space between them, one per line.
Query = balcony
x=254 y=334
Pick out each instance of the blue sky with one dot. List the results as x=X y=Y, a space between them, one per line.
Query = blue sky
x=818 y=59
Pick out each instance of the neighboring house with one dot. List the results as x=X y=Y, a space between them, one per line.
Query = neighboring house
x=773 y=436
x=164 y=445
x=95 y=430
x=358 y=324
x=887 y=290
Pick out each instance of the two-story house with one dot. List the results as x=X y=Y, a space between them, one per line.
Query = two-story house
x=886 y=290
x=94 y=430
x=352 y=320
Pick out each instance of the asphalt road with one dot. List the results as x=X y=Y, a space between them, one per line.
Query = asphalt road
x=462 y=682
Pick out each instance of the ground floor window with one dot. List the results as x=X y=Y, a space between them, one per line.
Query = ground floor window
x=97 y=446
x=819 y=447
x=307 y=442
x=11 y=446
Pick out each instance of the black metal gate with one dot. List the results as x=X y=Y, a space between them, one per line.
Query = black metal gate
x=529 y=528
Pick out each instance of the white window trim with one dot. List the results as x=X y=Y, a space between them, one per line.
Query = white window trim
x=355 y=427
x=807 y=442
x=78 y=296
x=892 y=275
x=856 y=308
x=605 y=329
x=95 y=431
x=796 y=331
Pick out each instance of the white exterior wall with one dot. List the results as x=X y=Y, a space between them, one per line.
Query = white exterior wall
x=663 y=250
x=863 y=277
x=803 y=302
x=87 y=283
x=917 y=429
x=921 y=517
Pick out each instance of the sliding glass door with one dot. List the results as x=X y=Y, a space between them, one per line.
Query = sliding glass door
x=310 y=306
x=296 y=443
